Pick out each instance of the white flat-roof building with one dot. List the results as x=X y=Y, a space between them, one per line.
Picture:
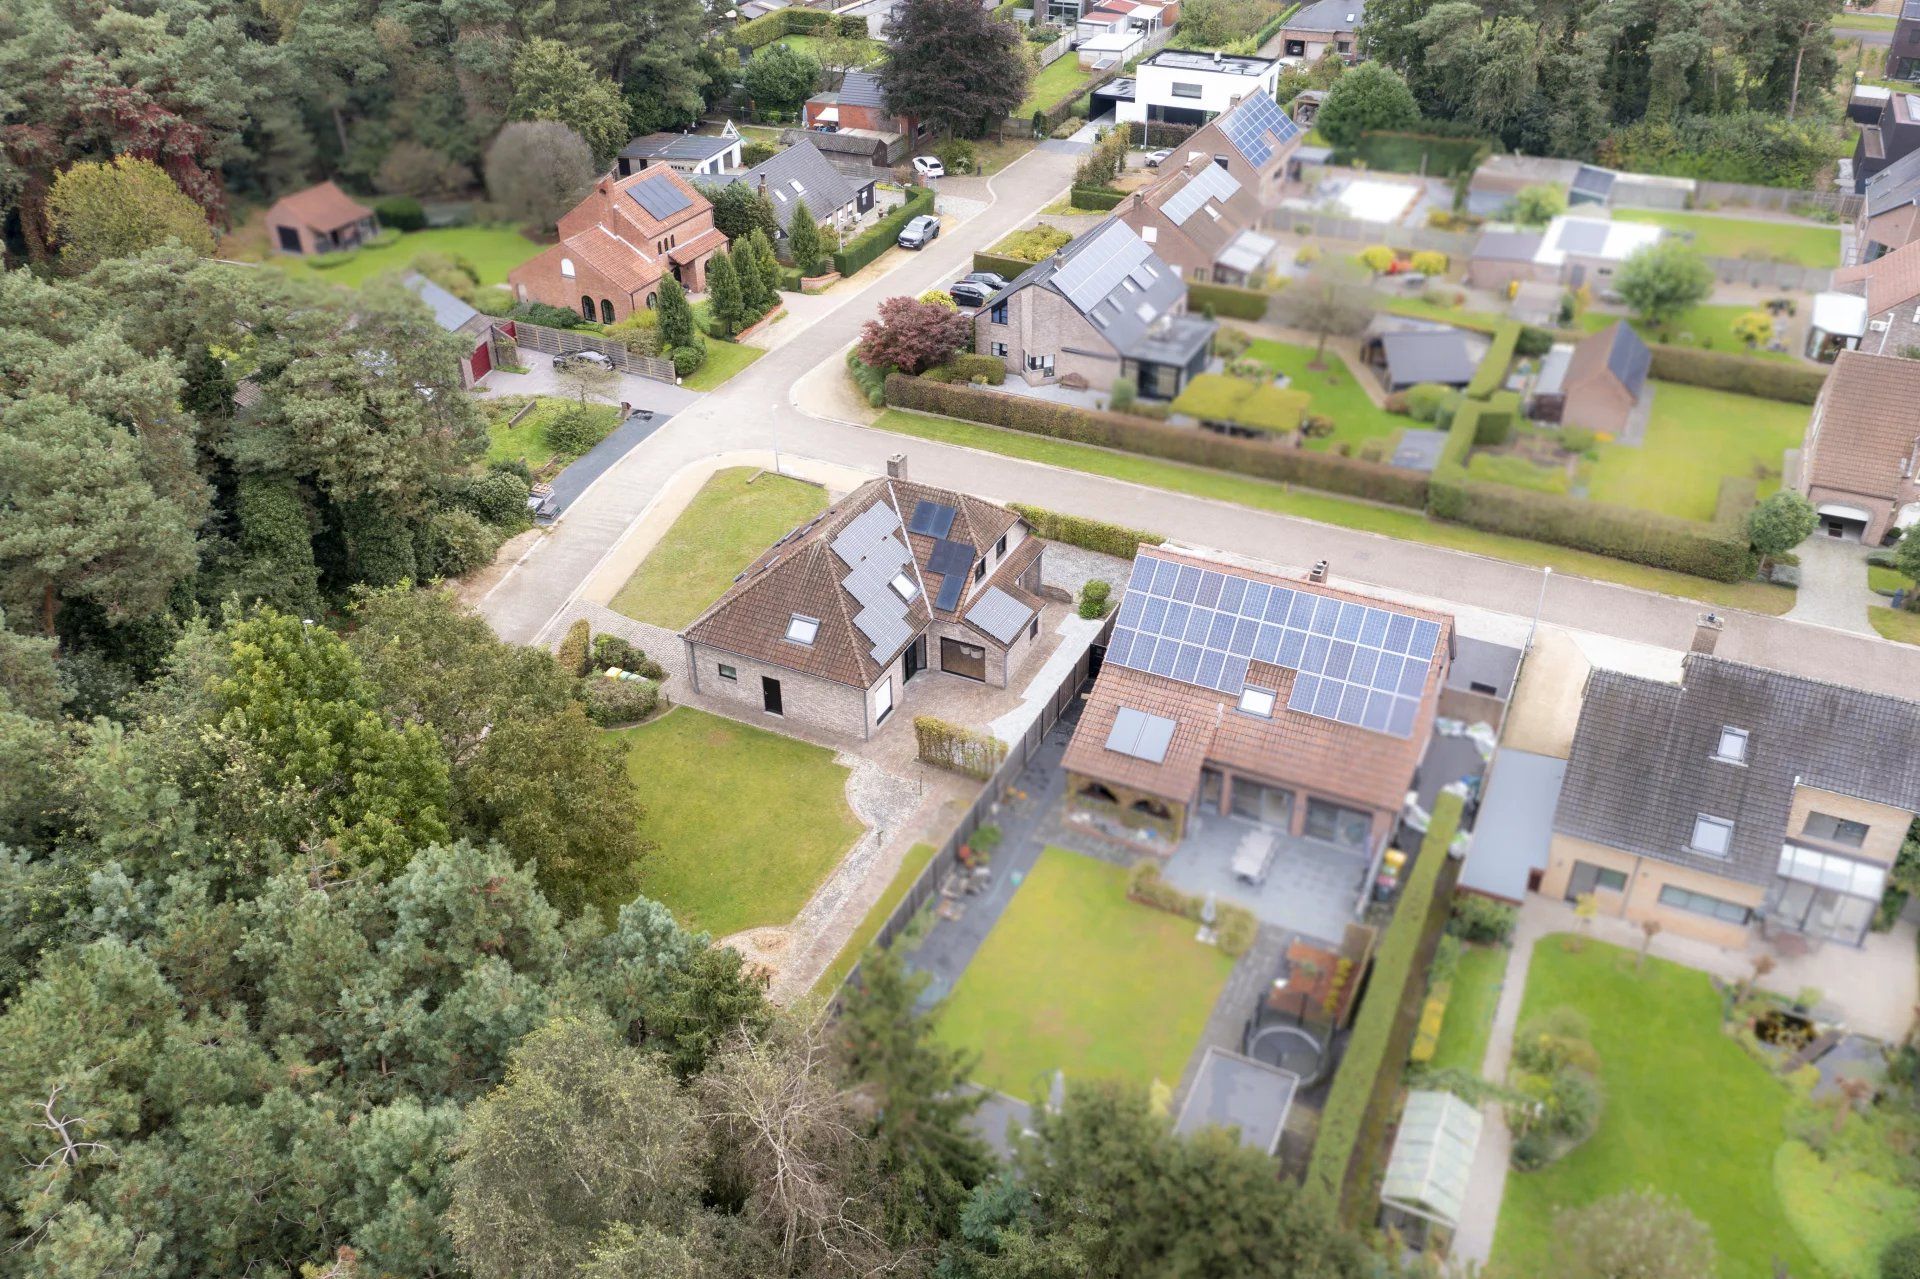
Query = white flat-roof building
x=1186 y=86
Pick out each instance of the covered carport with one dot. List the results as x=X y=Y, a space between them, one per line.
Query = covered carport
x=1515 y=829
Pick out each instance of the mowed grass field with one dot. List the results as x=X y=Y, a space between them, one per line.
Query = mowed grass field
x=493 y=250
x=1719 y=236
x=1695 y=438
x=748 y=823
x=1337 y=394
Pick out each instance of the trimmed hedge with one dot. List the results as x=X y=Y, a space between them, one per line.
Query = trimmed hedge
x=957 y=748
x=1098 y=199
x=1743 y=375
x=1492 y=372
x=998 y=264
x=1088 y=535
x=1412 y=152
x=1271 y=27
x=871 y=381
x=869 y=245
x=1228 y=301
x=1350 y=1143
x=964 y=366
x=1234 y=927
x=1497 y=417
x=1053 y=114
x=1327 y=471
x=760 y=32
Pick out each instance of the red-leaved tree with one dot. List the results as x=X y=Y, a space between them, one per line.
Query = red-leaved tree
x=913 y=336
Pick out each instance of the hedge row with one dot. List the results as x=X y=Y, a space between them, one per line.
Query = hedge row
x=870 y=244
x=1351 y=1139
x=1098 y=199
x=1492 y=373
x=1053 y=113
x=760 y=32
x=957 y=748
x=964 y=366
x=1234 y=927
x=1396 y=152
x=1089 y=535
x=1743 y=375
x=998 y=264
x=1498 y=414
x=1228 y=300
x=1326 y=471
x=1271 y=27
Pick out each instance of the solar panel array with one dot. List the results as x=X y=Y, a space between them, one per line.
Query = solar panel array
x=1353 y=663
x=1140 y=735
x=999 y=614
x=933 y=519
x=1210 y=183
x=1096 y=270
x=873 y=555
x=1256 y=127
x=658 y=196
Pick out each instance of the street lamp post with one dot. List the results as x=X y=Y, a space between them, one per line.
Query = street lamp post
x=1546 y=575
x=773 y=417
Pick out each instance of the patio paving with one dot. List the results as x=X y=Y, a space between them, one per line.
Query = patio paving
x=1312 y=888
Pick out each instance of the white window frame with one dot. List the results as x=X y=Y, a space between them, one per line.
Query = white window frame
x=1703 y=822
x=883 y=699
x=1732 y=746
x=904 y=587
x=802 y=629
x=1257 y=701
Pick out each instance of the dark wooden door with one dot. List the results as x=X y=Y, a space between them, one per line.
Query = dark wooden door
x=770 y=695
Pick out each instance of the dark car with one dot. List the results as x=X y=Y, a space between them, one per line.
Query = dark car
x=970 y=292
x=920 y=232
x=992 y=279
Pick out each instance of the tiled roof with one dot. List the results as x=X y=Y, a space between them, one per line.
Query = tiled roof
x=824 y=188
x=1889 y=281
x=710 y=240
x=1340 y=761
x=1869 y=423
x=1617 y=351
x=802 y=575
x=1642 y=767
x=1895 y=186
x=617 y=259
x=322 y=208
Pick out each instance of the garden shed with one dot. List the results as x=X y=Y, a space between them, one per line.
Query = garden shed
x=1432 y=1158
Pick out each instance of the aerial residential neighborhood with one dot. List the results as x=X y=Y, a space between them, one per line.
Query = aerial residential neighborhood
x=1126 y=638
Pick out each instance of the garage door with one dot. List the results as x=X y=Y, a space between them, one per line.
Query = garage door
x=960 y=658
x=482 y=361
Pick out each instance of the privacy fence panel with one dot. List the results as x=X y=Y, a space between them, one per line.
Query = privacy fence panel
x=563 y=341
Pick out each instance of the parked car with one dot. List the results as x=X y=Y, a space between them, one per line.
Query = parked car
x=567 y=359
x=1155 y=157
x=929 y=166
x=920 y=232
x=970 y=292
x=992 y=279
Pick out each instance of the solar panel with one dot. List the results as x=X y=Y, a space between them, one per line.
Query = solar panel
x=1096 y=270
x=950 y=558
x=932 y=519
x=659 y=196
x=1140 y=735
x=951 y=587
x=1209 y=183
x=999 y=614
x=862 y=533
x=1256 y=127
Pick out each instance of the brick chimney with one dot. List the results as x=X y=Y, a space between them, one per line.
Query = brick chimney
x=1706 y=633
x=897 y=467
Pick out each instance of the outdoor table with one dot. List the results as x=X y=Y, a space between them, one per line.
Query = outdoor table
x=1254 y=857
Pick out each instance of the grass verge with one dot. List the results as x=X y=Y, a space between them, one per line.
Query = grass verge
x=1895 y=624
x=493 y=250
x=910 y=867
x=1695 y=436
x=724 y=359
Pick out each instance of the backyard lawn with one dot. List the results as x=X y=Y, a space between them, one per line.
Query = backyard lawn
x=493 y=250
x=1337 y=395
x=1800 y=243
x=526 y=440
x=1062 y=79
x=910 y=867
x=871 y=50
x=1688 y=1112
x=1412 y=526
x=724 y=359
x=1895 y=624
x=747 y=823
x=1709 y=327
x=1469 y=1020
x=737 y=514
x=1695 y=437
x=1076 y=977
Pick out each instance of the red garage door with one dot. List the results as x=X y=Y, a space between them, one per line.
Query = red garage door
x=482 y=361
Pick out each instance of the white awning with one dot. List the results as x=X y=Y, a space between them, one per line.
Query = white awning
x=1248 y=252
x=1840 y=512
x=1840 y=314
x=827 y=115
x=1432 y=1157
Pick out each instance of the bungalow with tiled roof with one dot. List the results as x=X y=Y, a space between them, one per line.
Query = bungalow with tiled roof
x=619 y=243
x=892 y=582
x=320 y=219
x=1860 y=466
x=1230 y=691
x=1888 y=293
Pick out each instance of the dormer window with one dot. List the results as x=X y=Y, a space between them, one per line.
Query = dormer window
x=1711 y=835
x=1257 y=701
x=904 y=587
x=1733 y=746
x=802 y=629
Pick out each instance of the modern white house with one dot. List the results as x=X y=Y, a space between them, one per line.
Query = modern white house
x=1186 y=86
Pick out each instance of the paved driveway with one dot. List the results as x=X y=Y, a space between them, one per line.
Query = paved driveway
x=539 y=379
x=591 y=465
x=1833 y=585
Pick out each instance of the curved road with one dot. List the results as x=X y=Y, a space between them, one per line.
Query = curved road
x=755 y=411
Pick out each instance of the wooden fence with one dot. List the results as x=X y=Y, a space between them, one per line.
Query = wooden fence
x=562 y=341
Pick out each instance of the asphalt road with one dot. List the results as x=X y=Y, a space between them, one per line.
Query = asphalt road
x=755 y=411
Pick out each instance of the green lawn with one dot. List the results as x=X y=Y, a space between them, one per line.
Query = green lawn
x=1336 y=392
x=1688 y=1113
x=748 y=823
x=1895 y=624
x=1864 y=21
x=872 y=50
x=1849 y=1206
x=526 y=440
x=1695 y=437
x=1422 y=309
x=737 y=514
x=1730 y=237
x=1282 y=499
x=910 y=867
x=1517 y=472
x=724 y=359
x=1709 y=327
x=1469 y=1020
x=1076 y=977
x=1064 y=78
x=493 y=250
x=1886 y=581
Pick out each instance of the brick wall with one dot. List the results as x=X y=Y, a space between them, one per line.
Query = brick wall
x=806 y=699
x=1646 y=876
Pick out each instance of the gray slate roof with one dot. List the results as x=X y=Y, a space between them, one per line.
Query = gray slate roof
x=449 y=312
x=1628 y=358
x=857 y=89
x=1895 y=186
x=1508 y=246
x=1594 y=182
x=691 y=147
x=1329 y=15
x=1441 y=355
x=1115 y=279
x=823 y=187
x=1642 y=766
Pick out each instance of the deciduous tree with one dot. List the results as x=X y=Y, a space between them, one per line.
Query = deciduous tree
x=538 y=170
x=952 y=65
x=913 y=336
x=119 y=208
x=1663 y=280
x=1779 y=523
x=1366 y=99
x=1637 y=1234
x=778 y=78
x=739 y=209
x=1330 y=299
x=552 y=82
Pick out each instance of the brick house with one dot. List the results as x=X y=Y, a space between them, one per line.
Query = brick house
x=619 y=243
x=1230 y=690
x=860 y=103
x=1734 y=798
x=1202 y=216
x=320 y=219
x=1599 y=383
x=1889 y=217
x=1104 y=309
x=1573 y=251
x=1889 y=289
x=800 y=176
x=1327 y=26
x=1860 y=466
x=894 y=582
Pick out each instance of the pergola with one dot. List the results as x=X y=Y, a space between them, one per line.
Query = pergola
x=1432 y=1157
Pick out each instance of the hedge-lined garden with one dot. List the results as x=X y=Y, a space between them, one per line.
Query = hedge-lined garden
x=759 y=32
x=1089 y=535
x=1227 y=301
x=877 y=239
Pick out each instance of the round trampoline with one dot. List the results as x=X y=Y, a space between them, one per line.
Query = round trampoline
x=1290 y=1048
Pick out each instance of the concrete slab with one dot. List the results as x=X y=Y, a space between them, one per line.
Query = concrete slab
x=1311 y=889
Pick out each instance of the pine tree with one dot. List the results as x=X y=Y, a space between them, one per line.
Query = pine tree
x=676 y=316
x=803 y=240
x=767 y=265
x=754 y=299
x=725 y=293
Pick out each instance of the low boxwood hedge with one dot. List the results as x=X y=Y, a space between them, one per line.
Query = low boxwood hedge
x=998 y=264
x=876 y=240
x=1098 y=199
x=1327 y=471
x=1227 y=301
x=1088 y=535
x=1493 y=369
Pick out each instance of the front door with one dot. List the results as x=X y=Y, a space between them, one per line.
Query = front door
x=960 y=658
x=915 y=660
x=770 y=695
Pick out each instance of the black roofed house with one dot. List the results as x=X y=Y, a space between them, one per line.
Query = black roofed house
x=1895 y=135
x=1737 y=796
x=802 y=175
x=1600 y=384
x=1411 y=352
x=893 y=581
x=694 y=154
x=1889 y=217
x=1104 y=309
